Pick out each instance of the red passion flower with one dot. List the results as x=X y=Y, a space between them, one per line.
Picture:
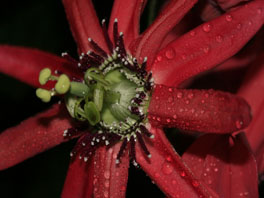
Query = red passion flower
x=124 y=88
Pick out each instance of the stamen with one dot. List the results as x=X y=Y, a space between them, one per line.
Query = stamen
x=106 y=36
x=142 y=144
x=97 y=48
x=115 y=32
x=121 y=151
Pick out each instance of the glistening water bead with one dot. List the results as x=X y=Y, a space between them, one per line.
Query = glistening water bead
x=112 y=98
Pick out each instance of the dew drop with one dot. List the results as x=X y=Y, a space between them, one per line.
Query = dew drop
x=174 y=116
x=187 y=102
x=215 y=169
x=190 y=95
x=159 y=58
x=170 y=99
x=173 y=182
x=167 y=168
x=170 y=89
x=168 y=158
x=219 y=39
x=259 y=11
x=229 y=18
x=158 y=119
x=183 y=174
x=195 y=183
x=107 y=174
x=168 y=120
x=179 y=95
x=170 y=53
x=157 y=97
x=250 y=23
x=207 y=27
x=239 y=26
x=106 y=194
x=192 y=33
x=239 y=124
x=203 y=101
x=206 y=95
x=206 y=49
x=107 y=183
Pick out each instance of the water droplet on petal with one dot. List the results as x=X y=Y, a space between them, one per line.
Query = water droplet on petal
x=239 y=26
x=168 y=158
x=206 y=49
x=219 y=39
x=229 y=18
x=192 y=33
x=250 y=23
x=106 y=194
x=203 y=101
x=195 y=183
x=207 y=27
x=179 y=95
x=158 y=119
x=170 y=99
x=170 y=53
x=170 y=89
x=215 y=169
x=239 y=124
x=159 y=58
x=183 y=174
x=174 y=116
x=167 y=168
x=107 y=174
x=259 y=11
x=157 y=175
x=187 y=102
x=190 y=95
x=107 y=184
x=173 y=182
x=168 y=120
x=183 y=57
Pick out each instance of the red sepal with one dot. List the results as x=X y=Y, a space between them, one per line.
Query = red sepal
x=128 y=18
x=152 y=38
x=168 y=170
x=79 y=180
x=207 y=45
x=33 y=136
x=198 y=110
x=110 y=179
x=25 y=64
x=84 y=23
x=225 y=164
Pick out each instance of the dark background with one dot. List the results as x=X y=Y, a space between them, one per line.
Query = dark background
x=42 y=24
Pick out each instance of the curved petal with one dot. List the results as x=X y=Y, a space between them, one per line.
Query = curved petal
x=128 y=18
x=250 y=90
x=152 y=38
x=25 y=64
x=226 y=164
x=227 y=4
x=110 y=179
x=33 y=136
x=198 y=110
x=168 y=170
x=84 y=24
x=79 y=180
x=207 y=45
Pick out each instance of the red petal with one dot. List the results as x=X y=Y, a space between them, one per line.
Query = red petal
x=33 y=136
x=25 y=64
x=84 y=23
x=128 y=18
x=79 y=180
x=168 y=171
x=110 y=179
x=226 y=165
x=207 y=45
x=250 y=90
x=155 y=34
x=227 y=4
x=198 y=110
